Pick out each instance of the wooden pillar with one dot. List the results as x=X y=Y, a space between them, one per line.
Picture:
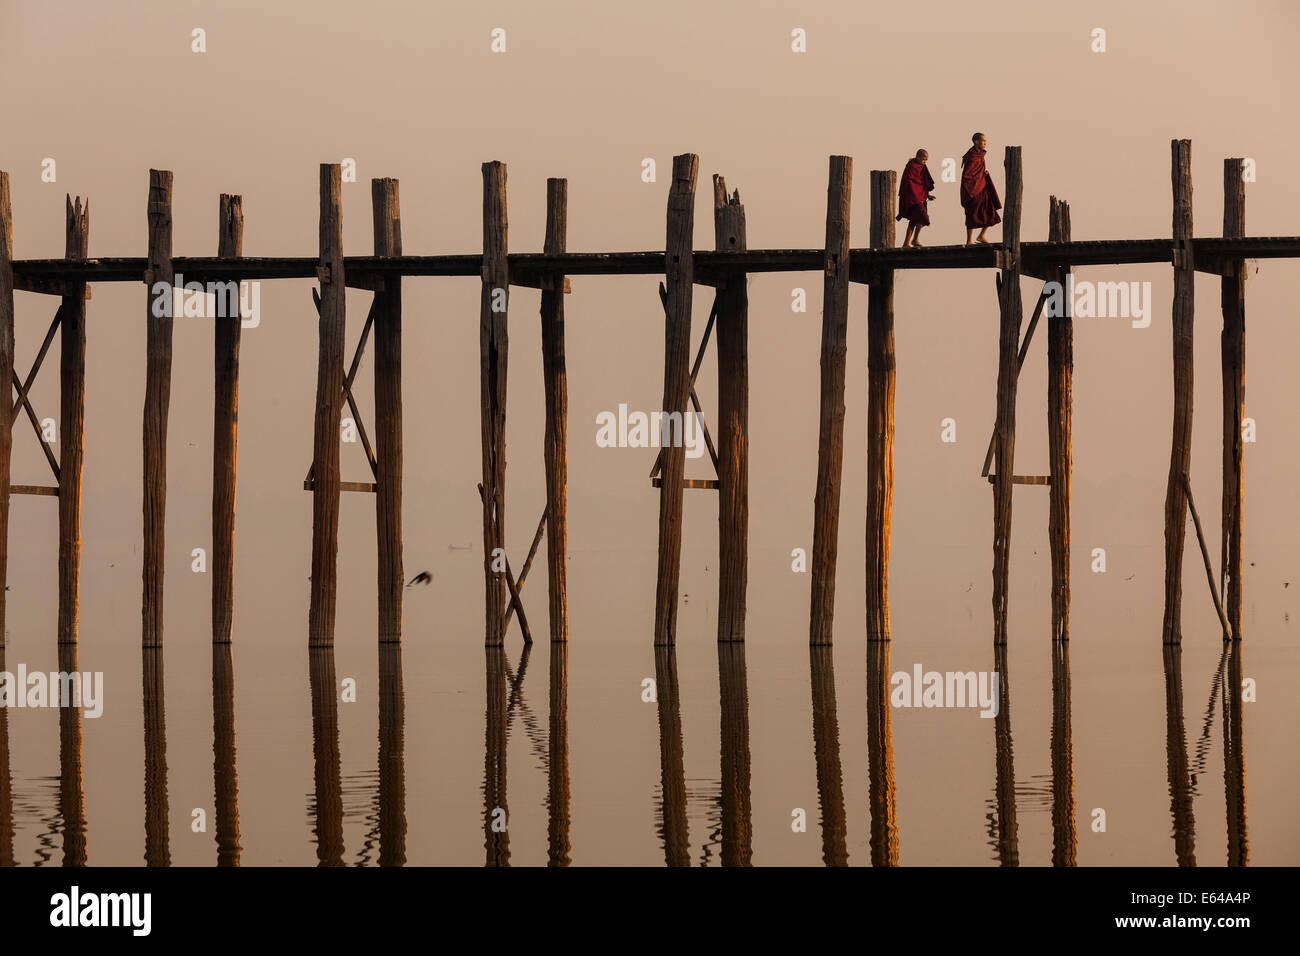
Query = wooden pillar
x=1180 y=455
x=72 y=425
x=493 y=344
x=6 y=376
x=733 y=415
x=1233 y=347
x=1008 y=368
x=880 y=407
x=557 y=759
x=830 y=440
x=1060 y=413
x=679 y=281
x=225 y=419
x=157 y=399
x=388 y=413
x=555 y=384
x=329 y=412
x=157 y=843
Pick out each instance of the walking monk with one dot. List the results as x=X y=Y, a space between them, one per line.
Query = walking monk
x=979 y=197
x=913 y=192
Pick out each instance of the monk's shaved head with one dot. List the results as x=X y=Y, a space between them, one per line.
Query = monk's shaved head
x=922 y=154
x=976 y=138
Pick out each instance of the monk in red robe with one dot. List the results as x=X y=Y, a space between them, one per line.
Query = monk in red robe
x=979 y=197
x=913 y=193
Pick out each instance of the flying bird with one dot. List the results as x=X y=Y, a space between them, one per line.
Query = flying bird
x=424 y=577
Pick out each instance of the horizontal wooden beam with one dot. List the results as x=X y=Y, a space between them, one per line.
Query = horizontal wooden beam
x=690 y=483
x=366 y=487
x=59 y=287
x=46 y=491
x=1026 y=479
x=711 y=266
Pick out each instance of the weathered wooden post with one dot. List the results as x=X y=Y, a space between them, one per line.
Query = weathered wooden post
x=6 y=777
x=157 y=845
x=329 y=413
x=72 y=413
x=1060 y=414
x=493 y=354
x=880 y=407
x=225 y=774
x=388 y=413
x=733 y=415
x=826 y=749
x=830 y=439
x=1180 y=455
x=555 y=385
x=679 y=279
x=225 y=421
x=157 y=398
x=1008 y=347
x=6 y=420
x=1233 y=348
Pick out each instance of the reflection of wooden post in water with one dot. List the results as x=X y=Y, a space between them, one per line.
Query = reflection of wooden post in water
x=1065 y=839
x=880 y=407
x=1180 y=456
x=880 y=757
x=72 y=798
x=1234 y=761
x=679 y=277
x=733 y=693
x=826 y=746
x=157 y=398
x=392 y=757
x=1012 y=312
x=157 y=851
x=72 y=427
x=6 y=780
x=1008 y=829
x=830 y=440
x=733 y=418
x=327 y=808
x=225 y=778
x=555 y=385
x=1233 y=347
x=1060 y=411
x=1180 y=790
x=495 y=841
x=388 y=413
x=225 y=423
x=673 y=828
x=493 y=345
x=557 y=762
x=332 y=328
x=6 y=423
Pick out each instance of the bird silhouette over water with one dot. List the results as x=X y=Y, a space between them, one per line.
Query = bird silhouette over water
x=424 y=577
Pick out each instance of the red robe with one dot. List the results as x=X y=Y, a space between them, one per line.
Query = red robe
x=979 y=197
x=913 y=189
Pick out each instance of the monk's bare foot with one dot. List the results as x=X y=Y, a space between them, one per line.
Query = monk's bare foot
x=981 y=239
x=970 y=242
x=916 y=244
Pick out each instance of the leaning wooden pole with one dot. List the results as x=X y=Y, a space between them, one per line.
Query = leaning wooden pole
x=1060 y=413
x=388 y=413
x=555 y=385
x=733 y=414
x=6 y=420
x=1180 y=455
x=157 y=399
x=1233 y=348
x=329 y=413
x=678 y=281
x=880 y=407
x=493 y=343
x=225 y=422
x=1008 y=348
x=830 y=440
x=72 y=426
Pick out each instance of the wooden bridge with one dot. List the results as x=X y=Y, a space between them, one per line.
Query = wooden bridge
x=724 y=269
